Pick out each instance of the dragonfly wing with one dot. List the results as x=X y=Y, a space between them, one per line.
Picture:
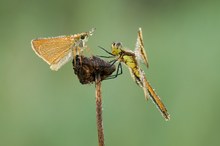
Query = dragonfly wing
x=144 y=87
x=138 y=76
x=139 y=49
x=156 y=99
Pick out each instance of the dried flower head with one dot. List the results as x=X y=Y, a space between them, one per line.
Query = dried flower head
x=86 y=69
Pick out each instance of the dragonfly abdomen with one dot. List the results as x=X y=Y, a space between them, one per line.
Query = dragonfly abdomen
x=136 y=76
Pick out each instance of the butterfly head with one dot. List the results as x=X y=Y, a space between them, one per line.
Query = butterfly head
x=82 y=38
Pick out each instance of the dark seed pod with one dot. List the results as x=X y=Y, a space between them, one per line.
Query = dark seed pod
x=87 y=69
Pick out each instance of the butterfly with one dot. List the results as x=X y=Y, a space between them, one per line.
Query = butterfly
x=57 y=51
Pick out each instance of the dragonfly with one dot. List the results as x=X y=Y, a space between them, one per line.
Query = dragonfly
x=57 y=51
x=132 y=60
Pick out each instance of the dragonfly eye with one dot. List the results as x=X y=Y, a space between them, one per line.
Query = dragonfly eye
x=118 y=45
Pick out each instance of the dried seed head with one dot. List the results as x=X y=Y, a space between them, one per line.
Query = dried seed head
x=87 y=69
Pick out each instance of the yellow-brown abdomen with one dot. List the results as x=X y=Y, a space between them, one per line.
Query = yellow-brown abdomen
x=133 y=67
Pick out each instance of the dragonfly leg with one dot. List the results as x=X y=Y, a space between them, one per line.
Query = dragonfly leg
x=106 y=50
x=118 y=72
x=105 y=56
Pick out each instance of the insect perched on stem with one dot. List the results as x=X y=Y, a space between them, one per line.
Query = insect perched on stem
x=57 y=51
x=131 y=59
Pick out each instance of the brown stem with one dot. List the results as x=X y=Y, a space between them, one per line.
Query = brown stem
x=99 y=110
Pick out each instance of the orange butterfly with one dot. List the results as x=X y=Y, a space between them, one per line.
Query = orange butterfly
x=57 y=51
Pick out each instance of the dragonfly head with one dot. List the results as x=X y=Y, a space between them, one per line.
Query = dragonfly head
x=116 y=48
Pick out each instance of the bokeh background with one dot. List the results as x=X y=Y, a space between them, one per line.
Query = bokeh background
x=40 y=107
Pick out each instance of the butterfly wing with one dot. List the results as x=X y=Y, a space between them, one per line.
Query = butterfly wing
x=53 y=50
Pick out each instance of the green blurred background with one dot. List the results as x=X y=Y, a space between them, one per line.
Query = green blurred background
x=40 y=107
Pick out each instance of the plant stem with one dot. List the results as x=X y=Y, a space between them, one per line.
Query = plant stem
x=99 y=110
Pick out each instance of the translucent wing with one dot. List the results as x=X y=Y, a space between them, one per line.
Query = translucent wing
x=53 y=50
x=139 y=49
x=156 y=99
x=144 y=87
x=139 y=77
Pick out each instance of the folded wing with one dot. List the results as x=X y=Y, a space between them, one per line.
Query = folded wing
x=139 y=49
